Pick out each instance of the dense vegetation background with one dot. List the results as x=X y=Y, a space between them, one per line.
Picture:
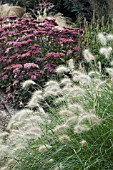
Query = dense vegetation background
x=61 y=83
x=73 y=8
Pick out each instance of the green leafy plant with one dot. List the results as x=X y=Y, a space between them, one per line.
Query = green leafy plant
x=91 y=40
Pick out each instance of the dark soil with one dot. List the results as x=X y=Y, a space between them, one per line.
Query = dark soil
x=6 y=112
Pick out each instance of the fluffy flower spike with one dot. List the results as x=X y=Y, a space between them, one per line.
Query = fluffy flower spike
x=27 y=83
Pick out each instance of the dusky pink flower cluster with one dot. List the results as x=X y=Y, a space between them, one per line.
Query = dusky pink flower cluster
x=32 y=49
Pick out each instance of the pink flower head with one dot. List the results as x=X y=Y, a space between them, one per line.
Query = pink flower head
x=9 y=61
x=27 y=54
x=15 y=82
x=76 y=49
x=29 y=41
x=1 y=30
x=33 y=77
x=15 y=76
x=35 y=51
x=40 y=32
x=5 y=77
x=9 y=43
x=28 y=36
x=17 y=44
x=54 y=55
x=20 y=77
x=16 y=70
x=29 y=65
x=69 y=52
x=13 y=66
x=2 y=39
x=7 y=27
x=65 y=40
x=8 y=89
x=8 y=49
x=9 y=96
x=11 y=33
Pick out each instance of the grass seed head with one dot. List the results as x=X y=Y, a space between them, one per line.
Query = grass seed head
x=43 y=148
x=61 y=69
x=64 y=138
x=106 y=51
x=84 y=143
x=102 y=39
x=75 y=108
x=88 y=56
x=65 y=112
x=52 y=83
x=71 y=64
x=61 y=128
x=72 y=120
x=27 y=83
x=109 y=37
x=80 y=128
x=65 y=81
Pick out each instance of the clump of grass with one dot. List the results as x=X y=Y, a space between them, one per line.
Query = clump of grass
x=67 y=125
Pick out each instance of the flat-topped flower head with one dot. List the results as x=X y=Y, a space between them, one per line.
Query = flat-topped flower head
x=30 y=65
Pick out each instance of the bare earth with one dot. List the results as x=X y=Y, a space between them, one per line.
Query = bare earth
x=6 y=113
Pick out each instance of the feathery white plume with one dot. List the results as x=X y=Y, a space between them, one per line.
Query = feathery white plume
x=88 y=56
x=109 y=37
x=106 y=51
x=61 y=69
x=27 y=83
x=102 y=39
